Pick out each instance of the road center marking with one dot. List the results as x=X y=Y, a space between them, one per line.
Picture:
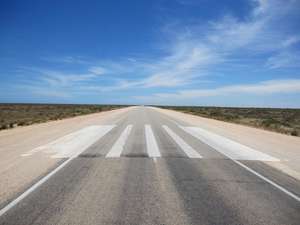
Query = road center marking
x=152 y=147
x=118 y=147
x=188 y=150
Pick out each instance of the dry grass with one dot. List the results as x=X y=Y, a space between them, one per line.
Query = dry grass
x=12 y=115
x=285 y=121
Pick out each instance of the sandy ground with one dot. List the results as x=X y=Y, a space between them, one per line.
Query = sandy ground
x=284 y=147
x=18 y=172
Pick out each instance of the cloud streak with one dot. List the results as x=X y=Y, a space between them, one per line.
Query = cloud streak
x=191 y=55
x=269 y=87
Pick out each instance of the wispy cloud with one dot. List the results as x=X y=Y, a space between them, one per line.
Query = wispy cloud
x=291 y=41
x=190 y=55
x=185 y=62
x=66 y=59
x=58 y=78
x=284 y=60
x=261 y=88
x=98 y=70
x=192 y=51
x=54 y=83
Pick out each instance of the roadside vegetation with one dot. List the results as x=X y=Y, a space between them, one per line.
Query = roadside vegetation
x=285 y=121
x=13 y=115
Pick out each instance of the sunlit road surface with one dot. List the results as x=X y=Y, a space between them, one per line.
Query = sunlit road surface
x=145 y=167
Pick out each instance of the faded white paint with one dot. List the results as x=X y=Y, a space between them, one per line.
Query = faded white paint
x=152 y=148
x=188 y=150
x=118 y=147
x=227 y=147
x=74 y=143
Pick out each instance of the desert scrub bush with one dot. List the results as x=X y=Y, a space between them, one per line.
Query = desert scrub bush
x=21 y=123
x=285 y=121
x=295 y=133
x=25 y=114
x=3 y=126
x=269 y=122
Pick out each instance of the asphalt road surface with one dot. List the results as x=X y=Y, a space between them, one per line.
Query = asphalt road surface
x=147 y=168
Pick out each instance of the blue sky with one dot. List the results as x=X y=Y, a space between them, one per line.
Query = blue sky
x=176 y=52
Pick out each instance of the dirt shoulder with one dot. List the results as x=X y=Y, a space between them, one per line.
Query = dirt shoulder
x=284 y=147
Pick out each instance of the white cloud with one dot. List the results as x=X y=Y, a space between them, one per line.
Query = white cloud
x=97 y=70
x=184 y=62
x=180 y=67
x=284 y=60
x=192 y=52
x=291 y=41
x=262 y=88
x=55 y=78
x=53 y=83
x=262 y=6
x=66 y=60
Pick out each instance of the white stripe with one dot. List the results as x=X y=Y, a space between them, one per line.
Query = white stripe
x=268 y=180
x=118 y=147
x=227 y=147
x=188 y=150
x=152 y=147
x=32 y=188
x=73 y=144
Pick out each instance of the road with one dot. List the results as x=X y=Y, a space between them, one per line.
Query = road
x=148 y=168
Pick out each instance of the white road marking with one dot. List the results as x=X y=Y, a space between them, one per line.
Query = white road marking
x=152 y=147
x=32 y=188
x=118 y=147
x=188 y=150
x=297 y=198
x=246 y=153
x=173 y=121
x=227 y=147
x=74 y=143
